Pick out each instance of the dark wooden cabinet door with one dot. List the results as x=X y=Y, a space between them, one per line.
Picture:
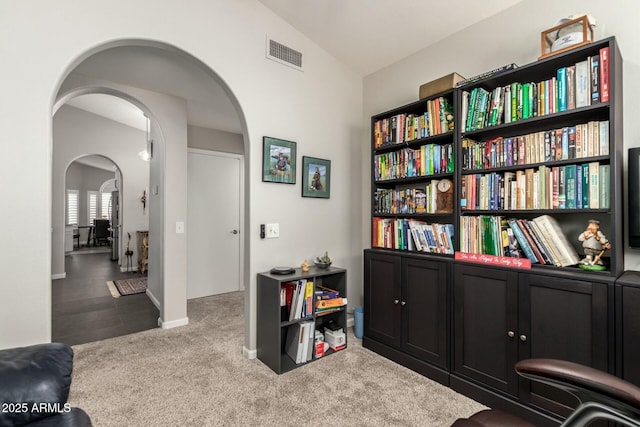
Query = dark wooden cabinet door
x=629 y=333
x=485 y=325
x=561 y=319
x=424 y=309
x=382 y=298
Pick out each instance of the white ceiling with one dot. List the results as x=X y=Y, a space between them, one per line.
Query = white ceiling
x=112 y=107
x=367 y=35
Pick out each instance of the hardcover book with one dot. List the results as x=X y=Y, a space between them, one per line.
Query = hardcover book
x=594 y=62
x=554 y=235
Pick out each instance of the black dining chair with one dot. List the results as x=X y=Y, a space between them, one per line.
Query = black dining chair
x=101 y=232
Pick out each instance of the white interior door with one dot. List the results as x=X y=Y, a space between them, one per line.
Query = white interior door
x=213 y=227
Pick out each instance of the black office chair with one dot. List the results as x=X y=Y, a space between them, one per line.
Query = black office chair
x=601 y=395
x=101 y=232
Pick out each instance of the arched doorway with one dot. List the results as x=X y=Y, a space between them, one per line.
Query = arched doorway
x=84 y=307
x=170 y=129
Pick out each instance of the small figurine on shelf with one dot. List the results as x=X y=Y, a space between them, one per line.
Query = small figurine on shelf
x=594 y=244
x=305 y=266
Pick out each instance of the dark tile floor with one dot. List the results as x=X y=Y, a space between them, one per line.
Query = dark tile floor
x=83 y=309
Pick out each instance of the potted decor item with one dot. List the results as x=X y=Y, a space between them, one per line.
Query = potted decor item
x=323 y=261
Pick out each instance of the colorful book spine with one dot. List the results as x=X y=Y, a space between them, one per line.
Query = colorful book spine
x=594 y=63
x=604 y=74
x=594 y=185
x=604 y=183
x=562 y=89
x=522 y=241
x=570 y=172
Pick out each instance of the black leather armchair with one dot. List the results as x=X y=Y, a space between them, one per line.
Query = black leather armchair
x=34 y=387
x=600 y=395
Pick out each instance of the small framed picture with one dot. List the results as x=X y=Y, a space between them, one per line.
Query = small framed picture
x=278 y=160
x=316 y=177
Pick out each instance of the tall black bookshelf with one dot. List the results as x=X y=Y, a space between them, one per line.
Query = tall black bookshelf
x=494 y=315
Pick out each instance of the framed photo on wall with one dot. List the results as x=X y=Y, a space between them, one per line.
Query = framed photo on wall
x=278 y=160
x=316 y=177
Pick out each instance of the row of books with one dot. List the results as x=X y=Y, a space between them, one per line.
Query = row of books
x=541 y=240
x=412 y=235
x=585 y=83
x=328 y=300
x=409 y=200
x=573 y=142
x=299 y=341
x=296 y=299
x=585 y=186
x=406 y=127
x=428 y=159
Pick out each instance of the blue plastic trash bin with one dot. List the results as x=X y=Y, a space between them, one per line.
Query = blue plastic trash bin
x=358 y=319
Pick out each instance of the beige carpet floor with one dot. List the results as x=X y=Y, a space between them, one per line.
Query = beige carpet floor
x=196 y=375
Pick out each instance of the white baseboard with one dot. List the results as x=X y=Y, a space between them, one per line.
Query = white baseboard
x=173 y=323
x=154 y=300
x=128 y=270
x=350 y=321
x=249 y=354
x=58 y=276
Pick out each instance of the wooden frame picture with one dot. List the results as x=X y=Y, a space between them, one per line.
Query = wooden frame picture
x=278 y=160
x=316 y=177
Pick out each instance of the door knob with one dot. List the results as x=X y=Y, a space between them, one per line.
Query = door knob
x=234 y=231
x=523 y=338
x=403 y=303
x=511 y=334
x=396 y=301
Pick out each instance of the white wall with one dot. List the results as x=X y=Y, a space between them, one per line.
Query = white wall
x=510 y=36
x=77 y=133
x=214 y=140
x=320 y=108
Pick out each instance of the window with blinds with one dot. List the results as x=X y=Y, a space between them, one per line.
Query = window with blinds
x=92 y=205
x=72 y=207
x=105 y=206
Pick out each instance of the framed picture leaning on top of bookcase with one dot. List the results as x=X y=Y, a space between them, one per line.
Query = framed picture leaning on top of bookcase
x=413 y=190
x=541 y=157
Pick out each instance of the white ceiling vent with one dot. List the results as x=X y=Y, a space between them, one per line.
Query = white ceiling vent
x=284 y=54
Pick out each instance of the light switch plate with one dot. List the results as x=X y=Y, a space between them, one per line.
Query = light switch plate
x=179 y=227
x=273 y=231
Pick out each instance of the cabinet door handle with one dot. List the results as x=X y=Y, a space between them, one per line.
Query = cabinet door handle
x=511 y=334
x=403 y=303
x=523 y=338
x=396 y=301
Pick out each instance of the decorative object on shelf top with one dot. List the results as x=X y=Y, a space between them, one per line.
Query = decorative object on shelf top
x=594 y=244
x=282 y=270
x=323 y=261
x=305 y=266
x=567 y=34
x=439 y=85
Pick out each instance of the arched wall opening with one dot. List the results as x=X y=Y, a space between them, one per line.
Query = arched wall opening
x=167 y=186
